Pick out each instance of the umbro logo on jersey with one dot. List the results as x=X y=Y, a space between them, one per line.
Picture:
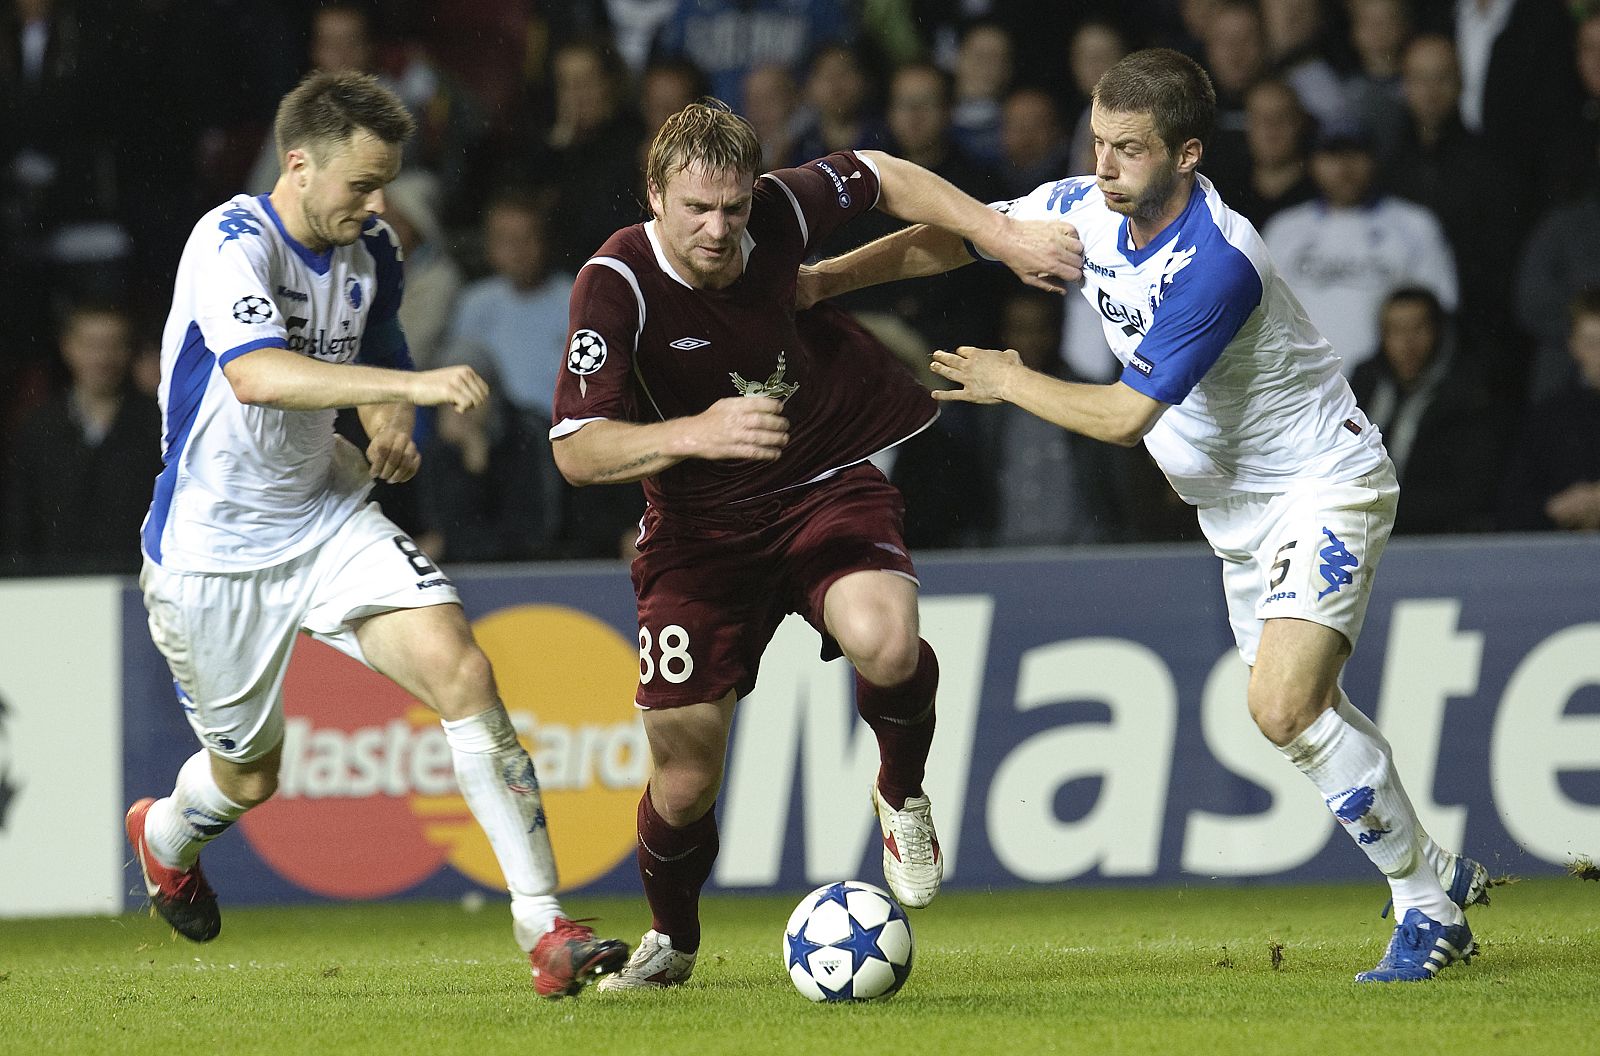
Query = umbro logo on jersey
x=689 y=344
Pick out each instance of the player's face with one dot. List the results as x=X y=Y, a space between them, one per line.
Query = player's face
x=344 y=188
x=701 y=217
x=1135 y=171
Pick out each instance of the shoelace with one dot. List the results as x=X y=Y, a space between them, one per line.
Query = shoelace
x=918 y=836
x=191 y=887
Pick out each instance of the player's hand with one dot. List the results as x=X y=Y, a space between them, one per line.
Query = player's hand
x=738 y=427
x=393 y=456
x=981 y=373
x=1045 y=254
x=1576 y=508
x=460 y=387
x=808 y=288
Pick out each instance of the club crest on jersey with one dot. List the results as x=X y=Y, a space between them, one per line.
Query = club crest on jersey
x=774 y=386
x=252 y=309
x=352 y=290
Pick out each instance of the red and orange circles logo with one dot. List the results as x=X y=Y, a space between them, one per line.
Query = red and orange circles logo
x=367 y=803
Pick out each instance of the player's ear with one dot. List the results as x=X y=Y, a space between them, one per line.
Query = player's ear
x=1189 y=155
x=652 y=194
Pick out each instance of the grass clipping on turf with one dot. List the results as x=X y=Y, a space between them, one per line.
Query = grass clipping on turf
x=1583 y=868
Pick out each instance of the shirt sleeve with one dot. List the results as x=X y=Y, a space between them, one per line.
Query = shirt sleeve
x=827 y=192
x=1048 y=201
x=233 y=303
x=1200 y=310
x=383 y=343
x=604 y=318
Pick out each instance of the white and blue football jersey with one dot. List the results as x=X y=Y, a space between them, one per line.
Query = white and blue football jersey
x=1201 y=320
x=247 y=487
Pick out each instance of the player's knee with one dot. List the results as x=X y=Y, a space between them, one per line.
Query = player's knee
x=883 y=650
x=462 y=683
x=1281 y=716
x=683 y=793
x=250 y=789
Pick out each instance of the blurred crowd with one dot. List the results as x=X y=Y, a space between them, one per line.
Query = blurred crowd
x=1426 y=174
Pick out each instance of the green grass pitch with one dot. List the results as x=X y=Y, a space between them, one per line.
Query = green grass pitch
x=1258 y=970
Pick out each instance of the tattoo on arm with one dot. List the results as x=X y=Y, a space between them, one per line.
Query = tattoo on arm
x=628 y=467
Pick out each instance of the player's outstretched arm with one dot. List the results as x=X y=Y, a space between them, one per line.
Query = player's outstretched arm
x=910 y=253
x=1115 y=413
x=278 y=378
x=733 y=428
x=1047 y=254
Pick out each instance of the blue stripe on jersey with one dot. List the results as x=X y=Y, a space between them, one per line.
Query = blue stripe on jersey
x=249 y=346
x=383 y=343
x=1209 y=291
x=317 y=262
x=190 y=376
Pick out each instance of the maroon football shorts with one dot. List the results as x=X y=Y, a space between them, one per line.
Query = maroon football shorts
x=713 y=588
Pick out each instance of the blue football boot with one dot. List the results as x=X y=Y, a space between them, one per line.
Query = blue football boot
x=1420 y=948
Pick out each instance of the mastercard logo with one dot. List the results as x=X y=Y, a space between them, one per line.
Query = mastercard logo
x=367 y=804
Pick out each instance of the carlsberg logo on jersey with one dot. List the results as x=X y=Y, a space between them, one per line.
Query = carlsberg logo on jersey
x=339 y=349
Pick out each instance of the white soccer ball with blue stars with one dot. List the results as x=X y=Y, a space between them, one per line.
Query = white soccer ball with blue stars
x=848 y=941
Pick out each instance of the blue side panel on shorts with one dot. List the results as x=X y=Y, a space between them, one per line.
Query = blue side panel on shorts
x=190 y=376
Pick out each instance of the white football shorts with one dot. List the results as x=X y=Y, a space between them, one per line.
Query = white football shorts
x=227 y=637
x=1310 y=553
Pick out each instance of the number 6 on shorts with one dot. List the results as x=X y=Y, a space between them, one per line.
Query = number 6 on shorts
x=676 y=664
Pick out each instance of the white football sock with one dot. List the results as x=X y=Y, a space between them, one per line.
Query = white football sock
x=1440 y=860
x=1359 y=785
x=196 y=813
x=497 y=779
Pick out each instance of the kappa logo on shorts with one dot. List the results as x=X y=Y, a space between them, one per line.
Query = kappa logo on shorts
x=1337 y=566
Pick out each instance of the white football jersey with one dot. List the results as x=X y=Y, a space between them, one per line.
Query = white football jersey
x=250 y=487
x=1200 y=319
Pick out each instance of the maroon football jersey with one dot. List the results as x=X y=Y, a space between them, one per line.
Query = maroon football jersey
x=644 y=346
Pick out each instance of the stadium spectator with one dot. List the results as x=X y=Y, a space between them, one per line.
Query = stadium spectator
x=1278 y=133
x=728 y=38
x=1553 y=479
x=1297 y=44
x=691 y=371
x=839 y=111
x=952 y=309
x=1379 y=30
x=665 y=87
x=1519 y=85
x=1439 y=422
x=1558 y=263
x=1053 y=487
x=983 y=72
x=262 y=515
x=59 y=231
x=772 y=106
x=1096 y=47
x=1343 y=253
x=1236 y=57
x=80 y=469
x=1585 y=135
x=515 y=321
x=1443 y=167
x=589 y=152
x=1034 y=146
x=433 y=278
x=634 y=26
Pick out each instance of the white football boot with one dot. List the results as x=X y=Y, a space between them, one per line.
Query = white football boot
x=654 y=965
x=912 y=864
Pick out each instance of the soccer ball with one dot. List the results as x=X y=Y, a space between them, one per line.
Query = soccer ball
x=848 y=941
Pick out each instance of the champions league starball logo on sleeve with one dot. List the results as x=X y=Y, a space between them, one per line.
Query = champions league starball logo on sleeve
x=252 y=309
x=585 y=355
